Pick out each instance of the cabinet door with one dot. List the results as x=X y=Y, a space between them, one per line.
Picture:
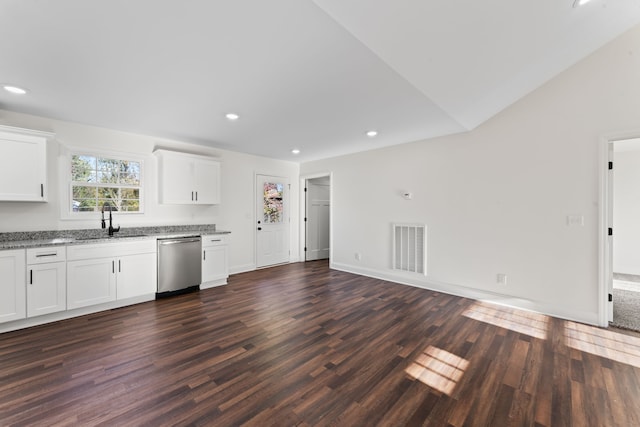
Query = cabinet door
x=136 y=275
x=46 y=288
x=176 y=183
x=207 y=181
x=12 y=284
x=23 y=168
x=91 y=281
x=214 y=263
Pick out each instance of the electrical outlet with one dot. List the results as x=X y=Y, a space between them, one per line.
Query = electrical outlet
x=501 y=278
x=358 y=256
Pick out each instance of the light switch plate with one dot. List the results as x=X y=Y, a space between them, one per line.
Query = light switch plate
x=575 y=220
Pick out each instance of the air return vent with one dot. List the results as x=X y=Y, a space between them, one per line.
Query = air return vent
x=409 y=248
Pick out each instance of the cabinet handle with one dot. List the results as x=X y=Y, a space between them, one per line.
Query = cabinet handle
x=113 y=267
x=31 y=277
x=41 y=190
x=192 y=196
x=43 y=255
x=204 y=255
x=196 y=196
x=119 y=267
x=216 y=240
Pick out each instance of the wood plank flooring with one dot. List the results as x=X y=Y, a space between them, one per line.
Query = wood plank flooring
x=301 y=344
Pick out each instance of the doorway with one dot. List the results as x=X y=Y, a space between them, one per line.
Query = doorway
x=621 y=271
x=272 y=220
x=625 y=207
x=317 y=215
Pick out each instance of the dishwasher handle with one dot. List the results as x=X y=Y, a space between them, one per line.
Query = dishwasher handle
x=178 y=241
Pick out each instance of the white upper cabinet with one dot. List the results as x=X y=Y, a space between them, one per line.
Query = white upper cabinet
x=207 y=181
x=188 y=178
x=23 y=164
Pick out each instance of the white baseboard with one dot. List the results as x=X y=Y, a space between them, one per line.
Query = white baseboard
x=241 y=268
x=213 y=283
x=251 y=267
x=68 y=314
x=476 y=294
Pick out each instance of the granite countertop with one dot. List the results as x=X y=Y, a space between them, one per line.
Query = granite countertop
x=36 y=239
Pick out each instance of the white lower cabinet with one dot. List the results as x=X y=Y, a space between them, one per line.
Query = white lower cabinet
x=90 y=281
x=215 y=264
x=105 y=272
x=46 y=281
x=12 y=283
x=137 y=275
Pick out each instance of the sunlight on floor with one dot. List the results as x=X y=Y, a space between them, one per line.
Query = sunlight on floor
x=438 y=369
x=525 y=322
x=612 y=345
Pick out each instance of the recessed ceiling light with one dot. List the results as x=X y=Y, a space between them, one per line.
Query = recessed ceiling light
x=372 y=133
x=14 y=89
x=232 y=116
x=577 y=3
x=295 y=151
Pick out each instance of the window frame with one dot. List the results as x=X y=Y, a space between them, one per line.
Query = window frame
x=67 y=208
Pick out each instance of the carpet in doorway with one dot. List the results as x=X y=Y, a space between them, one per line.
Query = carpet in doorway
x=626 y=309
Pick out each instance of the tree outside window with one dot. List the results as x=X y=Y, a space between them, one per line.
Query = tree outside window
x=96 y=181
x=273 y=203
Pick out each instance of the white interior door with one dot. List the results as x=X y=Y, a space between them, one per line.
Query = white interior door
x=317 y=218
x=272 y=218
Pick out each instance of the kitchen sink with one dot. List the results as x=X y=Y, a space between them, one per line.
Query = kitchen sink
x=115 y=236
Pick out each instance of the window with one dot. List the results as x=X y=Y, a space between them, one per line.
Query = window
x=101 y=181
x=273 y=203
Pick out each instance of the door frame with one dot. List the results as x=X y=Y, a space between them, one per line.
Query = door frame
x=303 y=206
x=605 y=242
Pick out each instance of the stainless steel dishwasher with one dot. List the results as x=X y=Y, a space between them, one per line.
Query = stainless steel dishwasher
x=179 y=265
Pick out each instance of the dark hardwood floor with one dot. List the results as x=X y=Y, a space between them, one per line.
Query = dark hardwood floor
x=304 y=345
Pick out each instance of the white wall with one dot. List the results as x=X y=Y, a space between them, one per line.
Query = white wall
x=626 y=212
x=236 y=212
x=496 y=199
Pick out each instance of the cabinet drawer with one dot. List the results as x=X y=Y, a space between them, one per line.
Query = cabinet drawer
x=214 y=240
x=46 y=254
x=111 y=249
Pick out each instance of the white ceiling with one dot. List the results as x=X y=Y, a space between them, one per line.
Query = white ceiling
x=313 y=75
